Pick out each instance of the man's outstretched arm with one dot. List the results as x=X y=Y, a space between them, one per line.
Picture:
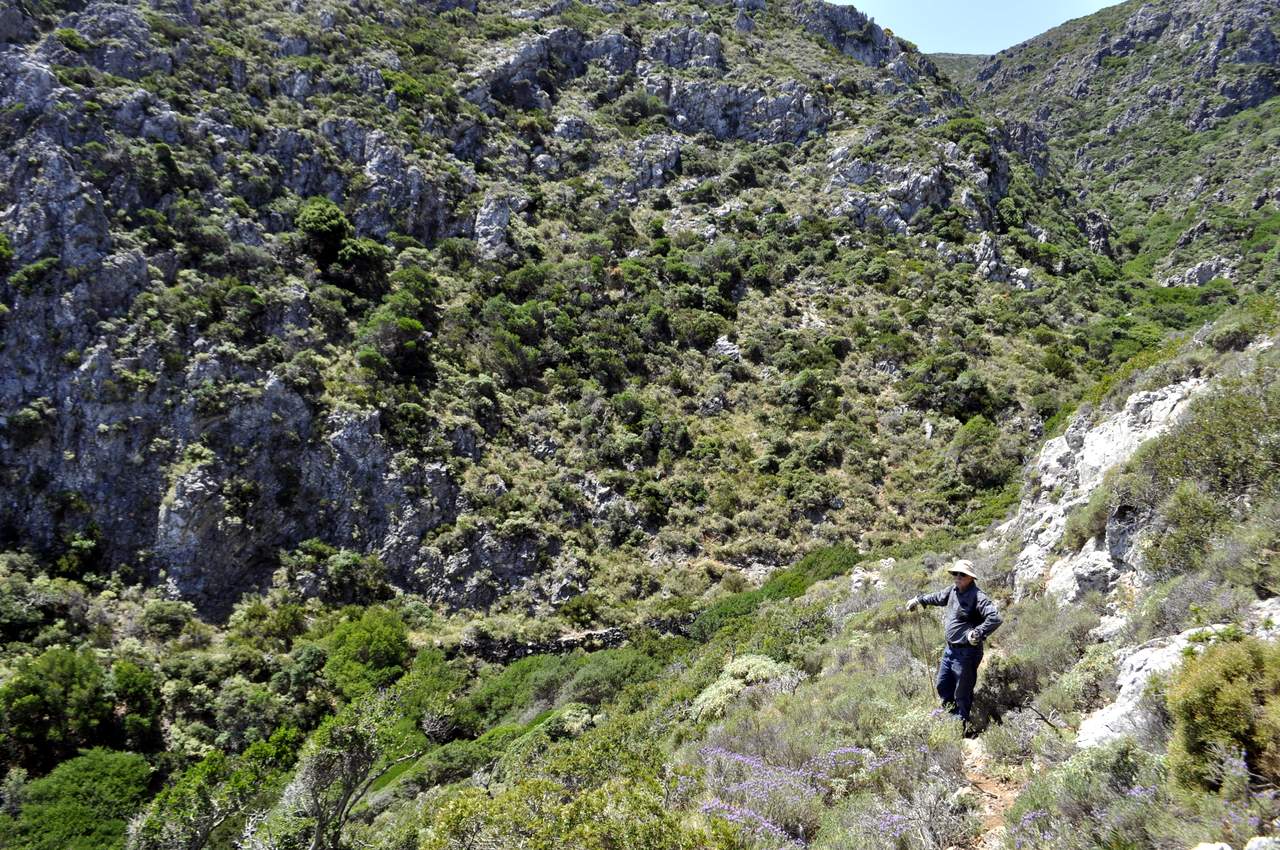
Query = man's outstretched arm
x=939 y=598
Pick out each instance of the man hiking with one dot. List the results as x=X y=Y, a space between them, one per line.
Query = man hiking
x=970 y=619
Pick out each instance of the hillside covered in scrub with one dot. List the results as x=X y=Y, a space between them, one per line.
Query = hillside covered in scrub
x=442 y=424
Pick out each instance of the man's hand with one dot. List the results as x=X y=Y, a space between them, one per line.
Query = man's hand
x=973 y=637
x=913 y=603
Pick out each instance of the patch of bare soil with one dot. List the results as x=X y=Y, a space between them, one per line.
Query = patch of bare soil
x=997 y=794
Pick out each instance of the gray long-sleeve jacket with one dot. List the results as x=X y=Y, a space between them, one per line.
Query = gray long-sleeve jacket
x=971 y=609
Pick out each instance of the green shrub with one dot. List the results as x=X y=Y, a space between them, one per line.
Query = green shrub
x=618 y=815
x=949 y=384
x=1087 y=521
x=71 y=39
x=1189 y=519
x=29 y=424
x=637 y=105
x=522 y=684
x=365 y=265
x=982 y=456
x=457 y=760
x=164 y=619
x=325 y=227
x=26 y=278
x=1226 y=698
x=6 y=253
x=136 y=694
x=607 y=672
x=82 y=804
x=212 y=791
x=1234 y=334
x=812 y=395
x=1043 y=640
x=1110 y=796
x=367 y=653
x=790 y=583
x=697 y=328
x=335 y=575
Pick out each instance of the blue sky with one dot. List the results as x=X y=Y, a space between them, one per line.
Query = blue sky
x=973 y=26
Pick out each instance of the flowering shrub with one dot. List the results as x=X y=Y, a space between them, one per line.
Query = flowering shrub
x=776 y=801
x=1110 y=796
x=904 y=785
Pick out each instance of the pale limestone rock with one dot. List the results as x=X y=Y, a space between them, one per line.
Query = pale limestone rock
x=1201 y=273
x=1071 y=466
x=1261 y=842
x=1124 y=716
x=1092 y=568
x=986 y=256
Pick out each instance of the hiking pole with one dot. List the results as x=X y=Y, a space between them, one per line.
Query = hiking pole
x=924 y=650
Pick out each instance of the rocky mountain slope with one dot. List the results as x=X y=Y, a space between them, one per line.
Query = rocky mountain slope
x=1164 y=113
x=579 y=298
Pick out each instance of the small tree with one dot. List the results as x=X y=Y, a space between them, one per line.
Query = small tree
x=325 y=227
x=210 y=792
x=347 y=755
x=54 y=704
x=365 y=264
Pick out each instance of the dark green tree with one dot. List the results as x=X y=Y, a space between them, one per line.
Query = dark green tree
x=54 y=704
x=367 y=653
x=325 y=227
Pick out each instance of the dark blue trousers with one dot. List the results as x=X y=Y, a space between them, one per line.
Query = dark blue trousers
x=956 y=677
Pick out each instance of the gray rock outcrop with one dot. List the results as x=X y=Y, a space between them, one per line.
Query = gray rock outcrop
x=787 y=112
x=1201 y=273
x=15 y=26
x=493 y=221
x=1065 y=474
x=847 y=30
x=686 y=47
x=986 y=257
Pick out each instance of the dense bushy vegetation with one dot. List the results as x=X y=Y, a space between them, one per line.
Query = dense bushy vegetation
x=801 y=712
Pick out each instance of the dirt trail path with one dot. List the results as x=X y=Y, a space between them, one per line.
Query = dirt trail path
x=997 y=794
